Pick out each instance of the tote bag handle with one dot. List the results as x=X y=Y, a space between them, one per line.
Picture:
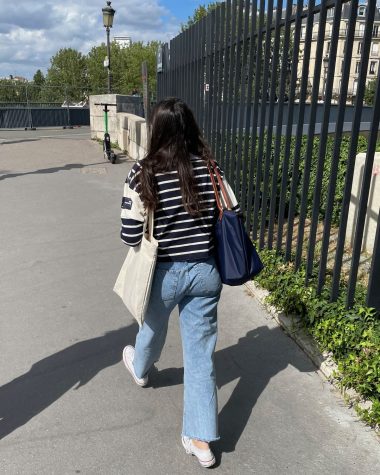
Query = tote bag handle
x=213 y=170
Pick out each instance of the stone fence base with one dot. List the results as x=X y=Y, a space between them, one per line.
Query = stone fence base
x=373 y=203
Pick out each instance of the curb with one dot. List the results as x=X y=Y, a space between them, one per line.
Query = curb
x=325 y=365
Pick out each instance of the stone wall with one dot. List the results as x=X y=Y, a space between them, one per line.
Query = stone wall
x=127 y=130
x=373 y=203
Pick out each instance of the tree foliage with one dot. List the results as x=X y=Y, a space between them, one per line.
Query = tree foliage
x=125 y=67
x=73 y=76
x=11 y=92
x=369 y=94
x=67 y=70
x=38 y=78
x=199 y=13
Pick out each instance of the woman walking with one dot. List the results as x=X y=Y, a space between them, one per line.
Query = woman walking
x=173 y=181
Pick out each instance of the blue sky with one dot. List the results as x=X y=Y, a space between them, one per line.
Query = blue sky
x=182 y=9
x=32 y=31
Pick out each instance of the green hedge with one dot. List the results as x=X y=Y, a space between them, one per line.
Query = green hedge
x=342 y=167
x=351 y=335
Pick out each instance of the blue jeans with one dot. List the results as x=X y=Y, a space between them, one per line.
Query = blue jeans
x=195 y=287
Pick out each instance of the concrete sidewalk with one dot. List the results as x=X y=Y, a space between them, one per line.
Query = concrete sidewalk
x=67 y=404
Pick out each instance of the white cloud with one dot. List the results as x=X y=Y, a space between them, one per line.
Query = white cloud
x=31 y=32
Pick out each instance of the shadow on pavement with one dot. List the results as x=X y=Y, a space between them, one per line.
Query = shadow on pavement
x=252 y=362
x=69 y=166
x=10 y=142
x=50 y=378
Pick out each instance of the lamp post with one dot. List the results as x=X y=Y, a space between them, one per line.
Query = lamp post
x=108 y=14
x=326 y=60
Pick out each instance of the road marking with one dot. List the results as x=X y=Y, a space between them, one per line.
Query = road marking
x=94 y=170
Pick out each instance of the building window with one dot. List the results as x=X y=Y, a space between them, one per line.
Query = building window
x=372 y=67
x=362 y=10
x=375 y=49
x=361 y=29
x=328 y=47
x=343 y=30
x=330 y=12
x=360 y=47
x=376 y=31
x=357 y=67
x=355 y=87
x=303 y=32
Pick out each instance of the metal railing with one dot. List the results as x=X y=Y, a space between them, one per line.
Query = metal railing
x=26 y=105
x=294 y=187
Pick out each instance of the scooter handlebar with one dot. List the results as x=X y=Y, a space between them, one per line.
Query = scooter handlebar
x=104 y=104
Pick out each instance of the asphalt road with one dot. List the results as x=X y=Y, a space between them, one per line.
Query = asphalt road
x=10 y=136
x=67 y=404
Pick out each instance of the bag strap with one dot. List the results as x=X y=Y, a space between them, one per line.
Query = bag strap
x=213 y=169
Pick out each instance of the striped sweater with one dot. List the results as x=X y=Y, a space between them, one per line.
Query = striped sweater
x=180 y=236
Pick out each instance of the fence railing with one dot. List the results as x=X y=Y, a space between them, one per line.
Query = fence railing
x=26 y=105
x=294 y=188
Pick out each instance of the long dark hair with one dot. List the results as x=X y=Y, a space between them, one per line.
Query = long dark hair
x=174 y=136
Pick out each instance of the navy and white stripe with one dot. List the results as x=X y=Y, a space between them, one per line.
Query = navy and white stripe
x=180 y=236
x=131 y=231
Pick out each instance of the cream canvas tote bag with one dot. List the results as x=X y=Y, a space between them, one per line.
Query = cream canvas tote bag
x=134 y=281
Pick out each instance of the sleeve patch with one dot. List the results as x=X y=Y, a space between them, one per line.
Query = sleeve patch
x=126 y=203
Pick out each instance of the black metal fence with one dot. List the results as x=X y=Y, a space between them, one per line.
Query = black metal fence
x=294 y=187
x=25 y=105
x=30 y=117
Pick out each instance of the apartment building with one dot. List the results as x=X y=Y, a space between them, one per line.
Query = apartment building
x=373 y=65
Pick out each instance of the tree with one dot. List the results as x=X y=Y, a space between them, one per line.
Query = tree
x=369 y=94
x=135 y=55
x=199 y=13
x=38 y=78
x=35 y=87
x=66 y=78
x=125 y=67
x=12 y=92
x=96 y=72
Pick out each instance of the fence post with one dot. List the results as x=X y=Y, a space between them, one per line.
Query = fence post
x=373 y=294
x=69 y=126
x=29 y=110
x=144 y=73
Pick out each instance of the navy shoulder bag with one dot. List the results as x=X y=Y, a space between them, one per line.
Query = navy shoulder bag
x=236 y=256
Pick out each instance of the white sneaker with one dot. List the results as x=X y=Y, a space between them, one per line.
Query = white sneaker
x=205 y=457
x=128 y=355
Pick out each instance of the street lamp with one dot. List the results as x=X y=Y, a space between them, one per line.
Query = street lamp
x=108 y=14
x=326 y=60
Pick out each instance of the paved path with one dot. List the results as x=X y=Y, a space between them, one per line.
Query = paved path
x=68 y=406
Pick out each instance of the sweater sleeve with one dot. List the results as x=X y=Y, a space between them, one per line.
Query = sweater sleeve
x=132 y=212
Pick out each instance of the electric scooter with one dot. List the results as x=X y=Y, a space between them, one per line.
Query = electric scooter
x=109 y=154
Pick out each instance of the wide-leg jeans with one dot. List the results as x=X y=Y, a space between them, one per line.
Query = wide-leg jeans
x=195 y=287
